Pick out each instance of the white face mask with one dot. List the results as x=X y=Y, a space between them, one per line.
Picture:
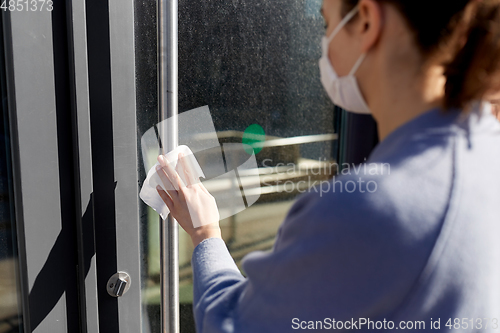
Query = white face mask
x=343 y=91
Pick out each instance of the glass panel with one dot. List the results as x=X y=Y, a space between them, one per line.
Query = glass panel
x=255 y=65
x=10 y=305
x=147 y=116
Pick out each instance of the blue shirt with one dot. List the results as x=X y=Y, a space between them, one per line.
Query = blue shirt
x=412 y=238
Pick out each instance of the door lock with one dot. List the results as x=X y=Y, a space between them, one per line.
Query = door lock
x=118 y=284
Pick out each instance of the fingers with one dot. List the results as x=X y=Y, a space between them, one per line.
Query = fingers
x=173 y=176
x=167 y=183
x=186 y=167
x=189 y=174
x=165 y=197
x=204 y=188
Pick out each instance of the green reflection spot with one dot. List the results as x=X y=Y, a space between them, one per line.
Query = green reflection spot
x=253 y=135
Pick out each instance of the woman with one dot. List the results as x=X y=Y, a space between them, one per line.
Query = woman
x=421 y=252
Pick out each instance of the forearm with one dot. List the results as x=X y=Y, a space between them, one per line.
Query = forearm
x=215 y=275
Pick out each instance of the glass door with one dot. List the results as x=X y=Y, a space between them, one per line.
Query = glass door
x=249 y=69
x=82 y=127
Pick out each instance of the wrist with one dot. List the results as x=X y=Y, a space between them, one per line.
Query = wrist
x=205 y=232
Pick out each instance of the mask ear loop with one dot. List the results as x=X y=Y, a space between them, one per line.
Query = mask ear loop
x=342 y=23
x=357 y=64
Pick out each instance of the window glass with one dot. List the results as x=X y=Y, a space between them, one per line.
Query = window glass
x=255 y=65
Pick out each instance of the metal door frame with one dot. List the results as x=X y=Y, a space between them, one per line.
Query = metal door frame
x=41 y=114
x=72 y=110
x=111 y=61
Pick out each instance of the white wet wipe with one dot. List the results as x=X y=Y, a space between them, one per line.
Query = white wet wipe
x=150 y=195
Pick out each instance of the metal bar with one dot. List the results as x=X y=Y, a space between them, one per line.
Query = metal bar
x=296 y=140
x=292 y=141
x=167 y=104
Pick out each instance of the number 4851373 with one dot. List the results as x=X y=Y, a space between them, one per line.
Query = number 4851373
x=27 y=5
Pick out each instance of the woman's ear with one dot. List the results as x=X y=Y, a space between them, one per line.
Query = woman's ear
x=370 y=23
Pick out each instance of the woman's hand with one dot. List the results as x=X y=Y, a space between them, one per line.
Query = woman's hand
x=190 y=204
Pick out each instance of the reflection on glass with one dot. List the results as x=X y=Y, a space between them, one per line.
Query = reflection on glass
x=254 y=63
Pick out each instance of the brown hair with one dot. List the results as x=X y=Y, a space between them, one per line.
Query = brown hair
x=464 y=34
